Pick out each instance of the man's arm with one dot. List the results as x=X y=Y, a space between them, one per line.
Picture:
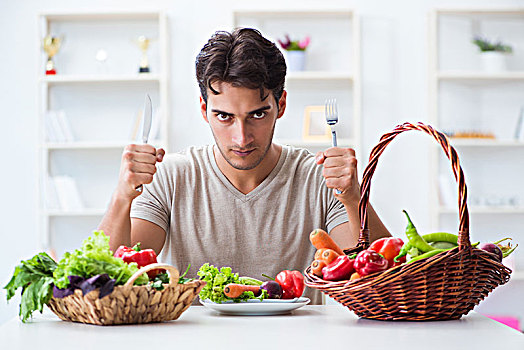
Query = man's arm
x=346 y=234
x=340 y=172
x=137 y=168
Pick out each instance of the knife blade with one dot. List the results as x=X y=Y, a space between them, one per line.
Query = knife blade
x=146 y=126
x=148 y=113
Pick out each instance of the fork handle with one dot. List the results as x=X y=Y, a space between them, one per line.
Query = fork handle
x=334 y=137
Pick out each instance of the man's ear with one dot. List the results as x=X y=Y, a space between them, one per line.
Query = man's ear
x=203 y=109
x=282 y=104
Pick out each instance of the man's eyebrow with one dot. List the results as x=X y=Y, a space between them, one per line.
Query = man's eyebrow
x=249 y=113
x=220 y=112
x=260 y=110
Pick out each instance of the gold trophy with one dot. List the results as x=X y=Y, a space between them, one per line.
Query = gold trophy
x=143 y=45
x=51 y=46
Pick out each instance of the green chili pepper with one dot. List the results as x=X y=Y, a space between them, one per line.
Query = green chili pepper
x=441 y=237
x=506 y=249
x=414 y=237
x=442 y=245
x=435 y=237
x=427 y=255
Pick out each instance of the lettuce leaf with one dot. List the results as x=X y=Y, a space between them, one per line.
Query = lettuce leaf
x=35 y=277
x=95 y=258
x=216 y=281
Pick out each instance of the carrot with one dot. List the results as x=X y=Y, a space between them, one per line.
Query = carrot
x=354 y=276
x=320 y=239
x=317 y=266
x=329 y=255
x=234 y=290
x=319 y=252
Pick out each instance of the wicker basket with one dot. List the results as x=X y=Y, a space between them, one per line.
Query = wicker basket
x=129 y=303
x=443 y=287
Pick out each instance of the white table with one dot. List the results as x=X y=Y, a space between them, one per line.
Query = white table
x=311 y=327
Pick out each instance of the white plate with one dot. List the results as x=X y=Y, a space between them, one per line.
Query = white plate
x=255 y=307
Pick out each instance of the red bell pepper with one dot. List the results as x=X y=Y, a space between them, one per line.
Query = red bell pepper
x=142 y=257
x=292 y=283
x=340 y=269
x=369 y=261
x=389 y=248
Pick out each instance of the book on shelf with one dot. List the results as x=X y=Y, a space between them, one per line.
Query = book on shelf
x=67 y=193
x=519 y=130
x=57 y=127
x=155 y=124
x=138 y=126
x=51 y=196
x=448 y=198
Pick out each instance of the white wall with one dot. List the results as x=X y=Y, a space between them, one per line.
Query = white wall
x=394 y=63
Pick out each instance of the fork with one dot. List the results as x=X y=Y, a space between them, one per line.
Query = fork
x=332 y=119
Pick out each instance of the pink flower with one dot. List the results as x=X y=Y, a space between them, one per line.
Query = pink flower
x=285 y=44
x=303 y=44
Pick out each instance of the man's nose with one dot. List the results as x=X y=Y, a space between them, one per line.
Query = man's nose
x=242 y=135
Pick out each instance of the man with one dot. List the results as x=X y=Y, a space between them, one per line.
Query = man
x=244 y=202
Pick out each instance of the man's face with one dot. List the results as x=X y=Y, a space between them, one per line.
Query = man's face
x=242 y=123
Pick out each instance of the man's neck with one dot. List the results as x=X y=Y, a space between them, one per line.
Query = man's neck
x=247 y=180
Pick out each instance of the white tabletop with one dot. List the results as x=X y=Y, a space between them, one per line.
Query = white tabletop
x=318 y=327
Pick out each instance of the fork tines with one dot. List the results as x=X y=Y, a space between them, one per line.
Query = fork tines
x=331 y=111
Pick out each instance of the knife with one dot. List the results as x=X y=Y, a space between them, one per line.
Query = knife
x=146 y=127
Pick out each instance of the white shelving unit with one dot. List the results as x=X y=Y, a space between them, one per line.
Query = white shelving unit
x=332 y=69
x=464 y=97
x=102 y=102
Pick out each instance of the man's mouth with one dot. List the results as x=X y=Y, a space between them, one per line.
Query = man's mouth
x=242 y=153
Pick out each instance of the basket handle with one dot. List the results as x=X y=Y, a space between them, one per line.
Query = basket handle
x=463 y=234
x=173 y=273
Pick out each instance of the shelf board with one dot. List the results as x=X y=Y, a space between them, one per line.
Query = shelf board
x=319 y=75
x=95 y=16
x=69 y=213
x=94 y=78
x=316 y=144
x=85 y=145
x=342 y=13
x=479 y=142
x=92 y=145
x=482 y=12
x=484 y=210
x=469 y=76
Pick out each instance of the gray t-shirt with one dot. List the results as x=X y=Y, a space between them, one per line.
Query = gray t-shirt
x=265 y=231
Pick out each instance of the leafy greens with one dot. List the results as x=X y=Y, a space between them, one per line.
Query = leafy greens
x=38 y=275
x=216 y=281
x=35 y=277
x=92 y=259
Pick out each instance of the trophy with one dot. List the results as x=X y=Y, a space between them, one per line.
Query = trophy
x=143 y=45
x=51 y=46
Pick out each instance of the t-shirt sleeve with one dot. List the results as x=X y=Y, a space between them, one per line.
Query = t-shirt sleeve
x=152 y=205
x=336 y=213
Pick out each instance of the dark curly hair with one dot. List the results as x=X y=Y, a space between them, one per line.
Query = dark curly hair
x=243 y=58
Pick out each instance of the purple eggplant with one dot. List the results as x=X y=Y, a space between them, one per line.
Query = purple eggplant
x=274 y=290
x=492 y=248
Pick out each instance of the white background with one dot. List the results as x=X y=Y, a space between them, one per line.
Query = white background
x=394 y=86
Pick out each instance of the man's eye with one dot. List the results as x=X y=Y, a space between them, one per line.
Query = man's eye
x=259 y=115
x=223 y=117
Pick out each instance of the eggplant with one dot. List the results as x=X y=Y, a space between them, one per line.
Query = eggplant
x=274 y=290
x=492 y=248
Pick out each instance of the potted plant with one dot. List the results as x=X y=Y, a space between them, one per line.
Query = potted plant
x=493 y=54
x=295 y=52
